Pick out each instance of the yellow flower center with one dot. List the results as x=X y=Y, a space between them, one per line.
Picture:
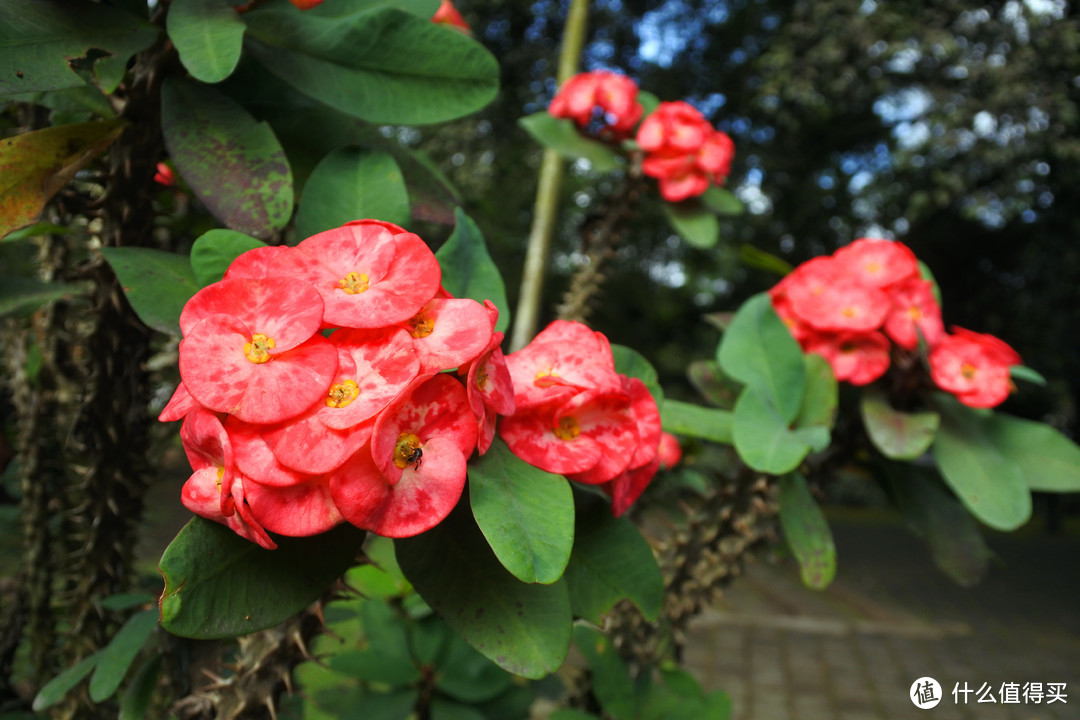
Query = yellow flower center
x=481 y=377
x=914 y=313
x=420 y=325
x=220 y=477
x=354 y=283
x=341 y=394
x=568 y=428
x=968 y=371
x=407 y=450
x=258 y=350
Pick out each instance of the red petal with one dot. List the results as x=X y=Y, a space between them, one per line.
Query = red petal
x=297 y=511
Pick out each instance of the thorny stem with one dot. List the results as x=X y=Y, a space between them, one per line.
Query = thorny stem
x=546 y=206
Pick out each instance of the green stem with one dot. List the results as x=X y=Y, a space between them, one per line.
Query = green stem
x=546 y=205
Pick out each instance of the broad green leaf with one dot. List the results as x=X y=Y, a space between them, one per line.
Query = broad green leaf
x=1031 y=375
x=383 y=66
x=420 y=8
x=807 y=532
x=466 y=675
x=611 y=683
x=380 y=577
x=136 y=699
x=352 y=184
x=987 y=481
x=649 y=102
x=524 y=628
x=709 y=380
x=55 y=690
x=126 y=601
x=42 y=41
x=526 y=514
x=763 y=439
x=562 y=136
x=36 y=230
x=722 y=201
x=757 y=349
x=693 y=222
x=219 y=585
x=753 y=257
x=208 y=35
x=35 y=165
x=117 y=656
x=215 y=250
x=631 y=363
x=156 y=283
x=468 y=270
x=951 y=533
x=612 y=561
x=384 y=657
x=695 y=421
x=1049 y=461
x=571 y=714
x=898 y=435
x=19 y=295
x=443 y=709
x=234 y=164
x=820 y=397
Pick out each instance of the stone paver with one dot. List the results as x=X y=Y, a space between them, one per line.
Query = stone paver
x=853 y=651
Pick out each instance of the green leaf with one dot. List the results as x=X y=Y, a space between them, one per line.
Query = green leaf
x=820 y=397
x=695 y=421
x=987 y=481
x=215 y=250
x=35 y=165
x=807 y=532
x=562 y=136
x=649 y=102
x=54 y=690
x=156 y=283
x=36 y=230
x=208 y=35
x=136 y=699
x=571 y=714
x=442 y=709
x=1031 y=375
x=633 y=364
x=612 y=561
x=420 y=8
x=383 y=66
x=42 y=40
x=524 y=628
x=693 y=222
x=352 y=184
x=234 y=164
x=385 y=657
x=19 y=295
x=898 y=435
x=763 y=439
x=117 y=656
x=466 y=675
x=753 y=257
x=611 y=682
x=468 y=270
x=1049 y=461
x=951 y=533
x=757 y=349
x=709 y=380
x=126 y=601
x=219 y=585
x=381 y=578
x=526 y=514
x=722 y=202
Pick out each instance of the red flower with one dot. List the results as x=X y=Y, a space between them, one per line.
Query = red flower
x=251 y=348
x=305 y=4
x=683 y=151
x=669 y=451
x=626 y=487
x=448 y=332
x=447 y=14
x=974 y=367
x=609 y=96
x=411 y=475
x=859 y=358
x=164 y=175
x=915 y=312
x=877 y=263
x=825 y=296
x=298 y=510
x=490 y=391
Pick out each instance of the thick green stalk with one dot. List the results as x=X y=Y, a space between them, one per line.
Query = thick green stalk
x=546 y=206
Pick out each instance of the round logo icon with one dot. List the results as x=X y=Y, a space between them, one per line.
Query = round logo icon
x=925 y=693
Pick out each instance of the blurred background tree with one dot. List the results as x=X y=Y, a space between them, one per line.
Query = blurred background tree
x=952 y=128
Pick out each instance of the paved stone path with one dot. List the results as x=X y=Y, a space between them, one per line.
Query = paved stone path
x=853 y=651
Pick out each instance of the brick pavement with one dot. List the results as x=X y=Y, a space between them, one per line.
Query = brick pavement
x=852 y=652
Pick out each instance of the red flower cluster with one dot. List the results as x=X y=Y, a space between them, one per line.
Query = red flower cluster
x=601 y=101
x=853 y=306
x=683 y=151
x=447 y=14
x=576 y=416
x=313 y=388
